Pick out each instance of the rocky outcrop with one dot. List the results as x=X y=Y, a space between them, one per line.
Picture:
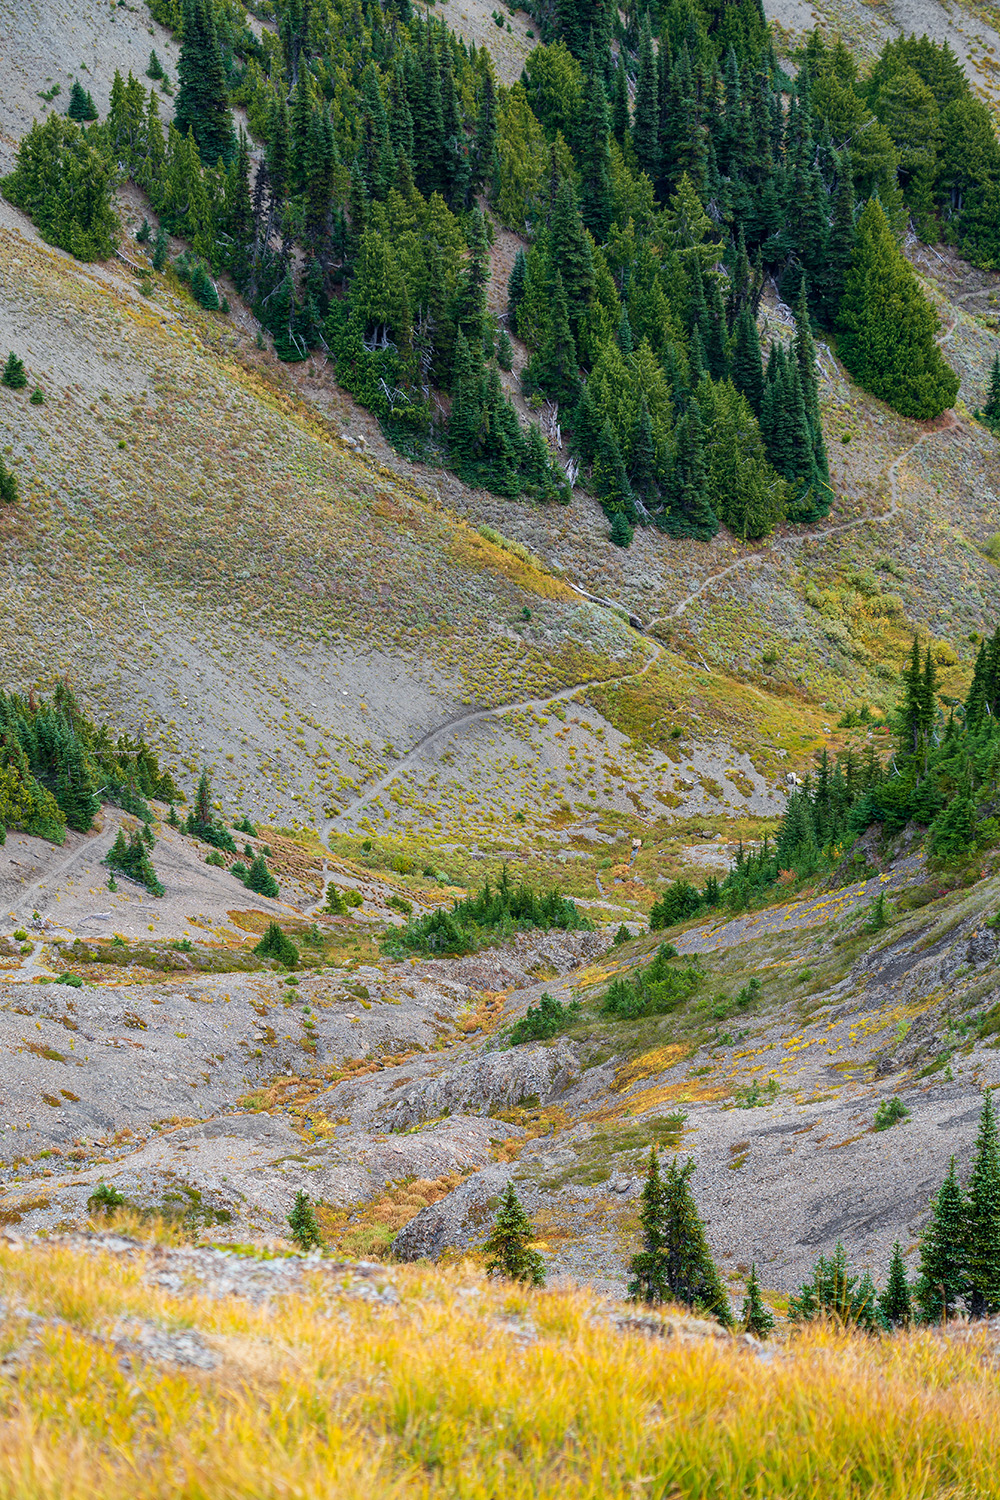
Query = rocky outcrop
x=458 y=1221
x=400 y=1098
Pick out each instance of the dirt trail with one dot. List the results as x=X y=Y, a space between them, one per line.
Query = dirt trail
x=476 y=716
x=949 y=424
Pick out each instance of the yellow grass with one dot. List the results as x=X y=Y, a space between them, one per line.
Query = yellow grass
x=434 y=1397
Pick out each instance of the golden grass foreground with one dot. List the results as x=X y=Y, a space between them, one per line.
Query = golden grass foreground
x=446 y=1393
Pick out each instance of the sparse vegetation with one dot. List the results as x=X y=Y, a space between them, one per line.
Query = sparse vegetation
x=489 y=916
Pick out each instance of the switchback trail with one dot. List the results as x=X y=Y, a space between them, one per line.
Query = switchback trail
x=753 y=558
x=462 y=721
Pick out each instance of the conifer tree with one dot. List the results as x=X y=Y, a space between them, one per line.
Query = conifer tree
x=621 y=532
x=895 y=1303
x=756 y=1317
x=81 y=106
x=991 y=406
x=648 y=1268
x=517 y=286
x=302 y=1222
x=202 y=102
x=942 y=1281
x=690 y=513
x=886 y=326
x=260 y=879
x=555 y=370
x=690 y=1270
x=586 y=427
x=646 y=122
x=508 y=1249
x=610 y=480
x=505 y=351
x=746 y=364
x=596 y=203
x=8 y=484
x=982 y=1247
x=620 y=121
x=161 y=245
x=13 y=373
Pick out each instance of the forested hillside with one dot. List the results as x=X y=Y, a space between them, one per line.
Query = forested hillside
x=660 y=167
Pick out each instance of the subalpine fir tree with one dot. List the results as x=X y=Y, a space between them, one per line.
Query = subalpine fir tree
x=155 y=69
x=648 y=1269
x=642 y=457
x=621 y=533
x=982 y=1242
x=886 y=325
x=610 y=480
x=302 y=1223
x=471 y=315
x=203 y=288
x=990 y=412
x=746 y=364
x=571 y=255
x=646 y=122
x=620 y=121
x=895 y=1303
x=508 y=1249
x=756 y=1317
x=517 y=286
x=8 y=484
x=586 y=427
x=555 y=370
x=691 y=1274
x=260 y=879
x=13 y=375
x=275 y=944
x=161 y=247
x=202 y=102
x=596 y=204
x=81 y=106
x=505 y=350
x=943 y=1282
x=690 y=513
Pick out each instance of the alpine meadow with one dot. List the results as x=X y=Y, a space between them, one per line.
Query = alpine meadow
x=499 y=750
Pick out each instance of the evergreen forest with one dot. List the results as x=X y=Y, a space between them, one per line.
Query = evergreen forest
x=660 y=167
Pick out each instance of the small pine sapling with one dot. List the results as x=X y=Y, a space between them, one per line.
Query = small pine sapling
x=37 y=397
x=155 y=69
x=756 y=1317
x=302 y=1222
x=143 y=233
x=13 y=376
x=508 y=1249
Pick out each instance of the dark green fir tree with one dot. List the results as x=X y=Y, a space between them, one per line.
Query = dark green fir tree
x=81 y=106
x=895 y=1302
x=982 y=1243
x=14 y=377
x=991 y=406
x=302 y=1223
x=508 y=1249
x=202 y=101
x=8 y=484
x=943 y=1282
x=756 y=1317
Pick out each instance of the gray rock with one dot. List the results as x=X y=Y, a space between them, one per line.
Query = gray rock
x=456 y=1222
x=498 y=1080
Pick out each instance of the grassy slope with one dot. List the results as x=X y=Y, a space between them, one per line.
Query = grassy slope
x=585 y=1408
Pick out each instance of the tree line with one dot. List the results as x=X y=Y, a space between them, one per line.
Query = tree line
x=943 y=773
x=658 y=167
x=56 y=767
